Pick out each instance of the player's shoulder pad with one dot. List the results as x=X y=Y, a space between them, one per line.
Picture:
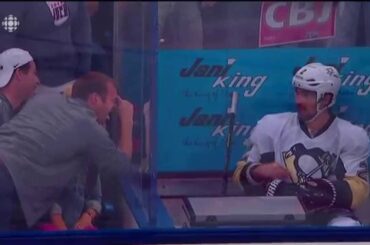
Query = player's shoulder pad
x=275 y=120
x=352 y=135
x=272 y=123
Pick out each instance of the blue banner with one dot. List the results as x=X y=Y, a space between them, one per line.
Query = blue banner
x=194 y=91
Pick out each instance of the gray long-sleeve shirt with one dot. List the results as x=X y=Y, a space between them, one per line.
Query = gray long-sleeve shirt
x=47 y=144
x=6 y=110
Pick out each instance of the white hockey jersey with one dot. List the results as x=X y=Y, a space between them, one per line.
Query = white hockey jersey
x=338 y=152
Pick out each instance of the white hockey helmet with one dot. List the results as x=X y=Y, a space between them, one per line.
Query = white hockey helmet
x=319 y=78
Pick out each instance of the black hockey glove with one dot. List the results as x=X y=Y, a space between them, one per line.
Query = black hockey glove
x=280 y=188
x=314 y=194
x=317 y=194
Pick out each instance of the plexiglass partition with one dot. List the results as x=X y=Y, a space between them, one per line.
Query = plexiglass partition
x=222 y=67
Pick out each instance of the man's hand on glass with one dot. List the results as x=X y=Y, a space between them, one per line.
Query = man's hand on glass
x=125 y=110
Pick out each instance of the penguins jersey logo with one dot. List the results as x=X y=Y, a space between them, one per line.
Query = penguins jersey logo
x=303 y=163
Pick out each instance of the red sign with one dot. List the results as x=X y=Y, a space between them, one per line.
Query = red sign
x=293 y=22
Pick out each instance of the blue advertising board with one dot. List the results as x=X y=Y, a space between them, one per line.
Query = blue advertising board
x=194 y=91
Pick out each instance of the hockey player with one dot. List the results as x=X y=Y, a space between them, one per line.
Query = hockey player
x=311 y=154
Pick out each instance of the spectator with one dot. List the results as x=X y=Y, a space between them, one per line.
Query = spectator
x=181 y=25
x=57 y=34
x=240 y=24
x=81 y=201
x=50 y=141
x=18 y=81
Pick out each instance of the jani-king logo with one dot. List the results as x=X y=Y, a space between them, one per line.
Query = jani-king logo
x=361 y=81
x=218 y=121
x=250 y=84
x=353 y=79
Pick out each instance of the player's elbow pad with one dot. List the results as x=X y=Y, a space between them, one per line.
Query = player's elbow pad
x=322 y=193
x=359 y=190
x=343 y=194
x=350 y=192
x=242 y=174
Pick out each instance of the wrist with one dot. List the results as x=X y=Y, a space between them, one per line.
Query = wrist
x=256 y=172
x=251 y=174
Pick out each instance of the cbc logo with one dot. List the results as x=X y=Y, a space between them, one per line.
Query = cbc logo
x=10 y=23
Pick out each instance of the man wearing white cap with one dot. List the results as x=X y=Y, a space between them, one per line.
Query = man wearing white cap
x=18 y=81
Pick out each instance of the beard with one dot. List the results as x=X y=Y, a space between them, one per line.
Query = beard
x=304 y=114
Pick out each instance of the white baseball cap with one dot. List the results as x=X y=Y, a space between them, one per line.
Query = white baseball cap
x=10 y=60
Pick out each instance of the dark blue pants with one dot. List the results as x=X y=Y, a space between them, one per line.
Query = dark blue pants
x=9 y=202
